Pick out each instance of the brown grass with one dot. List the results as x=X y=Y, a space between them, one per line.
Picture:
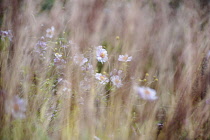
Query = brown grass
x=169 y=40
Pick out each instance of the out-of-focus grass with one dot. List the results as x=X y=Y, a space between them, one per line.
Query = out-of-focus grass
x=169 y=45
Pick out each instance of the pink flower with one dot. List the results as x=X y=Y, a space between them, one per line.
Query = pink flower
x=147 y=93
x=16 y=107
x=124 y=58
x=102 y=78
x=50 y=32
x=101 y=54
x=80 y=59
x=116 y=80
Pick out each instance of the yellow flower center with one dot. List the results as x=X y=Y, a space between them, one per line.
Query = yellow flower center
x=125 y=58
x=102 y=55
x=102 y=78
x=117 y=81
x=147 y=92
x=16 y=107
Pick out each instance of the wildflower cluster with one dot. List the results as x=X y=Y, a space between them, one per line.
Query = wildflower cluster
x=50 y=32
x=6 y=34
x=57 y=54
x=115 y=76
x=58 y=59
x=80 y=59
x=16 y=107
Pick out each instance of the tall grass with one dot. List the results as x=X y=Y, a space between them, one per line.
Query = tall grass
x=169 y=45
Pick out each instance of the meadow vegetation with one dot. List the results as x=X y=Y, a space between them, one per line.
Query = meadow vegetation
x=104 y=70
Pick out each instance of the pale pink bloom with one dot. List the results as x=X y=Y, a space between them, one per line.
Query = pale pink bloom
x=7 y=34
x=117 y=72
x=102 y=78
x=147 y=93
x=57 y=55
x=124 y=58
x=80 y=59
x=88 y=68
x=50 y=32
x=58 y=59
x=116 y=80
x=16 y=107
x=101 y=54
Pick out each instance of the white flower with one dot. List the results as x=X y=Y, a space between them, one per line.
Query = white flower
x=102 y=78
x=117 y=72
x=16 y=107
x=50 y=32
x=147 y=93
x=80 y=59
x=58 y=59
x=57 y=55
x=116 y=80
x=88 y=68
x=101 y=54
x=124 y=58
x=42 y=45
x=7 y=34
